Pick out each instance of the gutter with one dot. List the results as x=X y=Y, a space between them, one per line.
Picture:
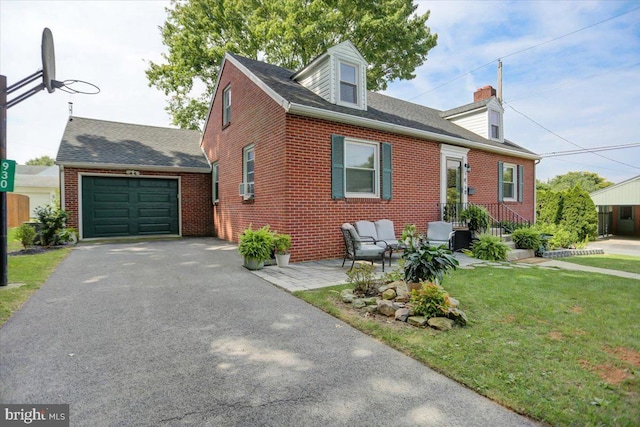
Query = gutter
x=304 y=110
x=134 y=167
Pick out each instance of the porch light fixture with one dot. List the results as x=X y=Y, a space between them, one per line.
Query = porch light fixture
x=467 y=166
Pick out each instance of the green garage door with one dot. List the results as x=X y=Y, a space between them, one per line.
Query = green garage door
x=129 y=206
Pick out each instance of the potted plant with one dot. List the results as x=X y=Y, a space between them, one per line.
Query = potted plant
x=281 y=245
x=477 y=218
x=255 y=246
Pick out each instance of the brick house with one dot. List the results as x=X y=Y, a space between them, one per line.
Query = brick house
x=309 y=150
x=121 y=179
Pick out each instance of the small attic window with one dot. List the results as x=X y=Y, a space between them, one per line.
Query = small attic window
x=348 y=83
x=494 y=124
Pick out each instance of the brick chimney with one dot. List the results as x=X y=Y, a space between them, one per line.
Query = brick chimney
x=483 y=93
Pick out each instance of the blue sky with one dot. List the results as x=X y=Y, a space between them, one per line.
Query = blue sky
x=585 y=87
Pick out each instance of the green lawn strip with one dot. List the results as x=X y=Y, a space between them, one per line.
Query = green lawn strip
x=536 y=341
x=33 y=271
x=628 y=263
x=12 y=244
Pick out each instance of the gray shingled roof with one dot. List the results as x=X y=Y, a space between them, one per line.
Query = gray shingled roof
x=465 y=108
x=99 y=142
x=379 y=107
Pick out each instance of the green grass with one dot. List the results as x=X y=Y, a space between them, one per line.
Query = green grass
x=536 y=342
x=628 y=263
x=32 y=270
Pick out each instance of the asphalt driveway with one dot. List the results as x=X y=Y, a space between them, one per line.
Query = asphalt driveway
x=178 y=333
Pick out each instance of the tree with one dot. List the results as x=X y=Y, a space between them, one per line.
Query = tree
x=388 y=33
x=588 y=181
x=579 y=214
x=41 y=161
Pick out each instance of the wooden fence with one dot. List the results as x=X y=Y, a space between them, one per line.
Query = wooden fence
x=17 y=209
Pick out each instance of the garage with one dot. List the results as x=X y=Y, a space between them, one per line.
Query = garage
x=114 y=206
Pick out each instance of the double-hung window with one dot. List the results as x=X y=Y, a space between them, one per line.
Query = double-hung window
x=226 y=106
x=248 y=170
x=510 y=182
x=494 y=124
x=215 y=180
x=348 y=83
x=361 y=169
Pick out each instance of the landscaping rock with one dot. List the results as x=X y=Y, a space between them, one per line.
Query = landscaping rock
x=402 y=293
x=402 y=314
x=370 y=300
x=389 y=294
x=347 y=296
x=417 y=320
x=386 y=307
x=359 y=303
x=454 y=303
x=370 y=309
x=458 y=316
x=440 y=323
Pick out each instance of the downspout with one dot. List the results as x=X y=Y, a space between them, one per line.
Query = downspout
x=535 y=192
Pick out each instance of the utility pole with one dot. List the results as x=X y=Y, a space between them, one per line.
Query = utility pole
x=500 y=80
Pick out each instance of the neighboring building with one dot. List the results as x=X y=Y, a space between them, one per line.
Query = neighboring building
x=619 y=208
x=307 y=151
x=120 y=179
x=39 y=183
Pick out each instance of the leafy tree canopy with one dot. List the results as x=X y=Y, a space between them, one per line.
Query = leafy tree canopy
x=41 y=161
x=588 y=181
x=388 y=33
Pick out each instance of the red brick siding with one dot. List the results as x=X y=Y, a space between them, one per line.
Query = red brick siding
x=195 y=194
x=293 y=174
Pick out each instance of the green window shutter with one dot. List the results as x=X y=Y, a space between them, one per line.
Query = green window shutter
x=337 y=167
x=500 y=182
x=387 y=172
x=520 y=183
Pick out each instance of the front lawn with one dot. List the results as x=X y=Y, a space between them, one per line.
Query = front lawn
x=628 y=263
x=32 y=270
x=559 y=346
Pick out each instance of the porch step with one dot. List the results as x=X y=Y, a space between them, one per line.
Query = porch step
x=516 y=254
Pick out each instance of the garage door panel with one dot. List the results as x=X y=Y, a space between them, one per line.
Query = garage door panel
x=129 y=206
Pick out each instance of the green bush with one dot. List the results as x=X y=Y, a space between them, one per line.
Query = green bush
x=579 y=214
x=548 y=207
x=256 y=244
x=361 y=276
x=477 y=218
x=430 y=301
x=489 y=248
x=281 y=243
x=52 y=222
x=427 y=263
x=526 y=238
x=26 y=234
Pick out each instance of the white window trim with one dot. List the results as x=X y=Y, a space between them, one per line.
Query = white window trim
x=454 y=153
x=215 y=177
x=246 y=150
x=226 y=117
x=376 y=165
x=515 y=182
x=359 y=86
x=499 y=124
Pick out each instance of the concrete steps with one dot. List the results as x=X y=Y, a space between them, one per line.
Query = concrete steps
x=516 y=254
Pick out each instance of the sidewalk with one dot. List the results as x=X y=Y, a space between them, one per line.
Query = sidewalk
x=319 y=274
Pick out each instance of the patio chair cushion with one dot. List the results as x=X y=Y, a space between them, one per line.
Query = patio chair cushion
x=357 y=242
x=369 y=250
x=440 y=233
x=366 y=228
x=386 y=232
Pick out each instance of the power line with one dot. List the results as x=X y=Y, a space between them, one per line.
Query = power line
x=524 y=50
x=590 y=150
x=566 y=140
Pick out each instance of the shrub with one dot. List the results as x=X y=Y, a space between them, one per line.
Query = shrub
x=256 y=244
x=579 y=214
x=424 y=263
x=526 y=238
x=281 y=243
x=52 y=222
x=430 y=301
x=561 y=237
x=394 y=275
x=477 y=217
x=361 y=276
x=26 y=234
x=489 y=248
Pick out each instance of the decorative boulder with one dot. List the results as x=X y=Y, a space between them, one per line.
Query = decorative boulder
x=386 y=307
x=441 y=323
x=402 y=314
x=389 y=294
x=417 y=320
x=347 y=296
x=359 y=303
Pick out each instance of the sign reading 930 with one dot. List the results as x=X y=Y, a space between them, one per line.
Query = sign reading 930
x=7 y=175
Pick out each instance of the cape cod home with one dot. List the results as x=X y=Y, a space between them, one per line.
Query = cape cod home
x=307 y=151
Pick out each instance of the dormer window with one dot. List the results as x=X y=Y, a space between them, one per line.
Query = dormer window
x=348 y=83
x=494 y=124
